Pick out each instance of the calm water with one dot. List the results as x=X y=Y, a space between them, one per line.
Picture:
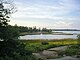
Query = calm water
x=49 y=36
x=71 y=32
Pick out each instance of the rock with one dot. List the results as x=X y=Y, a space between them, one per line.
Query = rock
x=39 y=55
x=49 y=54
x=58 y=49
x=46 y=54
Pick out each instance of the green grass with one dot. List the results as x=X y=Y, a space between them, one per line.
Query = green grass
x=37 y=46
x=55 y=41
x=40 y=45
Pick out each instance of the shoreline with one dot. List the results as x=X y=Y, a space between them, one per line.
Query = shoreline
x=42 y=33
x=47 y=39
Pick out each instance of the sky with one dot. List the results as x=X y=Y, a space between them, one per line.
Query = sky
x=47 y=13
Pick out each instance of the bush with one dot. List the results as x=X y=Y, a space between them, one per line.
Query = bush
x=8 y=32
x=73 y=50
x=44 y=43
x=14 y=50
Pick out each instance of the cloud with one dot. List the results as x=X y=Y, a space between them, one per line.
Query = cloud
x=63 y=24
x=43 y=11
x=61 y=9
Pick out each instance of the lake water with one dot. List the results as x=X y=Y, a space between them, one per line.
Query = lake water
x=49 y=36
x=70 y=32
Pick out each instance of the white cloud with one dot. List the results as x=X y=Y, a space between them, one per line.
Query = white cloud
x=25 y=10
x=63 y=24
x=56 y=12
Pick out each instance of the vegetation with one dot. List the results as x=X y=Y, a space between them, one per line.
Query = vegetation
x=73 y=50
x=10 y=48
x=8 y=32
x=33 y=30
x=13 y=49
x=78 y=40
x=40 y=45
x=44 y=43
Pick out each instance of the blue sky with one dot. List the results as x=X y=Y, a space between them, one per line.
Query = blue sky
x=47 y=13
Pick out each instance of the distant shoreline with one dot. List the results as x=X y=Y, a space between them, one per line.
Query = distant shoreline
x=53 y=33
x=46 y=39
x=65 y=29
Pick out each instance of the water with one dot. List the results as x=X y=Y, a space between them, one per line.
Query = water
x=70 y=32
x=49 y=36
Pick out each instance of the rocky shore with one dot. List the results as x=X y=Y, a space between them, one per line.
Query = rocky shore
x=52 y=53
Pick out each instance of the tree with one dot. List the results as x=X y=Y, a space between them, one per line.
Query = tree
x=6 y=31
x=6 y=8
x=10 y=49
x=9 y=32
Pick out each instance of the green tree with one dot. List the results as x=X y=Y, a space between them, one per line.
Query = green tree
x=9 y=32
x=5 y=11
x=6 y=31
x=11 y=49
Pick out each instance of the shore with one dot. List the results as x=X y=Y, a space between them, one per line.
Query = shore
x=39 y=33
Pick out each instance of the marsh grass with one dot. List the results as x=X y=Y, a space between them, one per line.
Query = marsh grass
x=37 y=46
x=55 y=41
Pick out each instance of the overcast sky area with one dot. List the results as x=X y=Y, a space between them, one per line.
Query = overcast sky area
x=47 y=13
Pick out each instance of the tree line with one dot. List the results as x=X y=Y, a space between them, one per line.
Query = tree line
x=23 y=29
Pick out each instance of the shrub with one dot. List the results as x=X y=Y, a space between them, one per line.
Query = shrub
x=73 y=50
x=44 y=43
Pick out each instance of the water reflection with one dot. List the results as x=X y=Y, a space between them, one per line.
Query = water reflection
x=49 y=36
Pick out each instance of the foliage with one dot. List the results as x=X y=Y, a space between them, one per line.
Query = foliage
x=46 y=30
x=37 y=46
x=28 y=29
x=33 y=30
x=10 y=49
x=78 y=39
x=15 y=50
x=54 y=41
x=6 y=8
x=72 y=50
x=9 y=32
x=44 y=43
x=6 y=31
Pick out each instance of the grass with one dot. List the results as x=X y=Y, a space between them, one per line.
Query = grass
x=40 y=45
x=55 y=41
x=37 y=46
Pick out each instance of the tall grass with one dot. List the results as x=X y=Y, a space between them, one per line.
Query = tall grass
x=37 y=45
